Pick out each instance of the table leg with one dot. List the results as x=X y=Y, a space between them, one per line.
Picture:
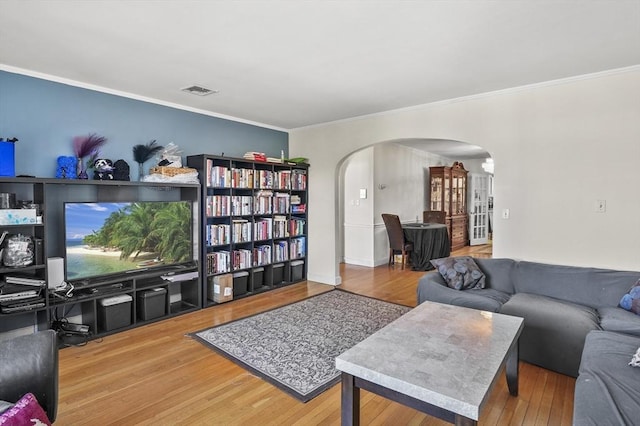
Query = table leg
x=464 y=421
x=512 y=370
x=350 y=401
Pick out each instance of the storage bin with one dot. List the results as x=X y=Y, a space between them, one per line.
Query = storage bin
x=7 y=159
x=258 y=278
x=278 y=273
x=151 y=303
x=114 y=312
x=297 y=270
x=240 y=283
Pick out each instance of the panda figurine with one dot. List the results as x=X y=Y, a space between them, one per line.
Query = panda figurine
x=103 y=169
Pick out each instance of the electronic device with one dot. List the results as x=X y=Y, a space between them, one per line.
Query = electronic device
x=38 y=251
x=110 y=238
x=55 y=272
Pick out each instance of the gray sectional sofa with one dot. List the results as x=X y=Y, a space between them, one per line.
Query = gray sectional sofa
x=572 y=325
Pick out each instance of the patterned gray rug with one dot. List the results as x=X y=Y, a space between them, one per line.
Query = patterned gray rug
x=294 y=347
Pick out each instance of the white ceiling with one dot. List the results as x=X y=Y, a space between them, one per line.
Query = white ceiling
x=290 y=64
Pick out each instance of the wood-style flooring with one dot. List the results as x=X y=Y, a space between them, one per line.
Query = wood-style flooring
x=156 y=375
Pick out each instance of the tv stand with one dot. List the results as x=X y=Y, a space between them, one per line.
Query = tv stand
x=83 y=304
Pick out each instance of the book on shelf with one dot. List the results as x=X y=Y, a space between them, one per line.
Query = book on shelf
x=298 y=208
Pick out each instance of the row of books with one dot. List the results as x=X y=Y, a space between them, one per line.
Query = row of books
x=224 y=177
x=263 y=229
x=225 y=261
x=216 y=235
x=241 y=231
x=242 y=259
x=264 y=203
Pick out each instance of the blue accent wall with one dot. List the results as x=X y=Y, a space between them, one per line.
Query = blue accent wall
x=45 y=116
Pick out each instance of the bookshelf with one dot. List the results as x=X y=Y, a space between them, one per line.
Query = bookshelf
x=254 y=225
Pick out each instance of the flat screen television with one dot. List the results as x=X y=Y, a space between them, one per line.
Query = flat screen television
x=107 y=238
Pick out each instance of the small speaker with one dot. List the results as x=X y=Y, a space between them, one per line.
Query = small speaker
x=38 y=251
x=55 y=272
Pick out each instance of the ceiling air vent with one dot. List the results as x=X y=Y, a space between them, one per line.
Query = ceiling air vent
x=199 y=90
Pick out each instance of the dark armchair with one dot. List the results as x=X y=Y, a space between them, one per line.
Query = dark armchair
x=397 y=242
x=30 y=364
x=434 y=216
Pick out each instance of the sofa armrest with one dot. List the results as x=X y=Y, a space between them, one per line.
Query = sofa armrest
x=432 y=288
x=30 y=364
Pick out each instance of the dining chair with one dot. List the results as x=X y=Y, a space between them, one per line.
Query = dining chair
x=397 y=242
x=434 y=216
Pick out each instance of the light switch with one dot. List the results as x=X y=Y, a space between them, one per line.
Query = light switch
x=363 y=193
x=601 y=206
x=505 y=213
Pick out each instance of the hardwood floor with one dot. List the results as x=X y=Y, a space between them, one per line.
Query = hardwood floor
x=156 y=375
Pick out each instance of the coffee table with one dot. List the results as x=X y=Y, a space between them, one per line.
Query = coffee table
x=439 y=359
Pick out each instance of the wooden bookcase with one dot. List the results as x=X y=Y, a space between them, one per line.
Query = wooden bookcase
x=254 y=225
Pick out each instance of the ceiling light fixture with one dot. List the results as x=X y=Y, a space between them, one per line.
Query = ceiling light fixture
x=487 y=166
x=199 y=90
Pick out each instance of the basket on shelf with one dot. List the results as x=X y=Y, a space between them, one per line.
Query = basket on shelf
x=170 y=171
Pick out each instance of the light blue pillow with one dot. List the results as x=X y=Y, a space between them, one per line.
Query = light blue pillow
x=631 y=300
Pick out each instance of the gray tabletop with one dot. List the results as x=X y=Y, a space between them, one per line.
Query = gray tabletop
x=445 y=355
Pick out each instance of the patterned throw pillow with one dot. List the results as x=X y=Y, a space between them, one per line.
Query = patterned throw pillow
x=635 y=360
x=631 y=300
x=27 y=411
x=460 y=273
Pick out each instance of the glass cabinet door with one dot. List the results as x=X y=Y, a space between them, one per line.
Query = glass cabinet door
x=447 y=193
x=436 y=193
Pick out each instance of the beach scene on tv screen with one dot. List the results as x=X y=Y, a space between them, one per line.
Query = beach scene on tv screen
x=108 y=238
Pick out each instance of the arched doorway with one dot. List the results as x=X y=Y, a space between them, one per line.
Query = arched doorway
x=390 y=177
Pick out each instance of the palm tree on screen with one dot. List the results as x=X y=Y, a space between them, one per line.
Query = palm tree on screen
x=171 y=228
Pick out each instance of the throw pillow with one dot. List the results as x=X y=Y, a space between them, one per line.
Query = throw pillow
x=635 y=360
x=27 y=411
x=631 y=300
x=460 y=273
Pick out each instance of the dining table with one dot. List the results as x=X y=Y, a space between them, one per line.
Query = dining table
x=430 y=241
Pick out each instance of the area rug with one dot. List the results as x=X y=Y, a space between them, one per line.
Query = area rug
x=294 y=347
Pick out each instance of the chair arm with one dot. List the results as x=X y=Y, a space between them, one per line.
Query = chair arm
x=30 y=364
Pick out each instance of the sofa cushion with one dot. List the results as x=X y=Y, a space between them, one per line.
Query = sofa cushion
x=631 y=300
x=607 y=390
x=619 y=320
x=431 y=287
x=498 y=274
x=554 y=330
x=585 y=286
x=460 y=273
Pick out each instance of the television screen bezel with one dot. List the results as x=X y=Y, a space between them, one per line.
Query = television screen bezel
x=88 y=279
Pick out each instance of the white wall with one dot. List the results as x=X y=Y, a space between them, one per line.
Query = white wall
x=558 y=148
x=358 y=212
